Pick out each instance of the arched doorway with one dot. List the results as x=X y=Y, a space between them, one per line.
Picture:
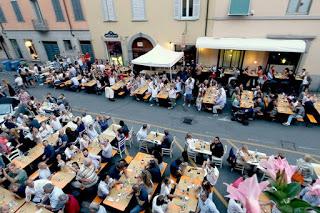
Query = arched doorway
x=140 y=46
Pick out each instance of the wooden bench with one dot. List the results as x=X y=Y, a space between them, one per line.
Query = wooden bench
x=121 y=93
x=34 y=175
x=128 y=159
x=146 y=97
x=311 y=119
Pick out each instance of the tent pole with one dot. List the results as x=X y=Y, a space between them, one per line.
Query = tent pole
x=170 y=74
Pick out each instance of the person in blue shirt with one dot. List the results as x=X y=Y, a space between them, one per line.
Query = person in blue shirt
x=48 y=153
x=62 y=142
x=154 y=170
x=103 y=122
x=167 y=140
x=175 y=170
x=141 y=197
x=34 y=123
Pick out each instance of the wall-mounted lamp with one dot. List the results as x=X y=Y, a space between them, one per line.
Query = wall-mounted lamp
x=255 y=62
x=283 y=60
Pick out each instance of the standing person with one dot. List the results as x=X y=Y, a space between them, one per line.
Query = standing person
x=52 y=194
x=206 y=205
x=172 y=97
x=306 y=81
x=154 y=94
x=7 y=87
x=189 y=85
x=106 y=154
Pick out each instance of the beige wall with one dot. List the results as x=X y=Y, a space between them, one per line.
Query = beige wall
x=160 y=24
x=47 y=13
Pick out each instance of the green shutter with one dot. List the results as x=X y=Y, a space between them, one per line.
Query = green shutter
x=2 y=17
x=57 y=10
x=77 y=10
x=17 y=11
x=239 y=7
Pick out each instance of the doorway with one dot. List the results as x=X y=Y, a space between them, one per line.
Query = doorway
x=141 y=46
x=52 y=49
x=86 y=47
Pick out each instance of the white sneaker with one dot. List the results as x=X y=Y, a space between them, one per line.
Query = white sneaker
x=151 y=104
x=189 y=105
x=286 y=124
x=183 y=104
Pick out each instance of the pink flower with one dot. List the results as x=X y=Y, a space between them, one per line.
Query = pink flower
x=248 y=193
x=274 y=165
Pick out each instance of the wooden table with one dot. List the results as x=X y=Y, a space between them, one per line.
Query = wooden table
x=33 y=154
x=210 y=95
x=191 y=180
x=164 y=92
x=283 y=105
x=141 y=90
x=41 y=118
x=120 y=84
x=252 y=74
x=124 y=69
x=200 y=146
x=256 y=157
x=246 y=99
x=119 y=197
x=155 y=137
x=7 y=197
x=89 y=84
x=32 y=208
x=316 y=168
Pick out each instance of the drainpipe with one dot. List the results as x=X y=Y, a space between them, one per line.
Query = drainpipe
x=206 y=21
x=2 y=41
x=68 y=18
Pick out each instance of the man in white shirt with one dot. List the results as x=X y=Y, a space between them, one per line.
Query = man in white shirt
x=154 y=94
x=106 y=154
x=52 y=193
x=44 y=171
x=105 y=186
x=159 y=205
x=189 y=85
x=142 y=133
x=220 y=102
x=87 y=120
x=72 y=71
x=35 y=188
x=206 y=205
x=96 y=208
x=75 y=83
x=55 y=123
x=45 y=130
x=18 y=81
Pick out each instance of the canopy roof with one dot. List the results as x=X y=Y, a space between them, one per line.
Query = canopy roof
x=159 y=57
x=257 y=44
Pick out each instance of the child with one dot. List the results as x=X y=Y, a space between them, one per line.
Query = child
x=199 y=101
x=172 y=96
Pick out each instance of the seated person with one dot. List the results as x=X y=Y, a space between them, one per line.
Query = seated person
x=86 y=175
x=216 y=148
x=45 y=130
x=142 y=133
x=117 y=170
x=243 y=155
x=167 y=140
x=105 y=185
x=124 y=128
x=92 y=133
x=96 y=160
x=258 y=107
x=14 y=175
x=119 y=137
x=106 y=154
x=304 y=164
x=44 y=171
x=154 y=170
x=159 y=204
x=96 y=208
x=220 y=101
x=175 y=168
x=299 y=112
x=71 y=151
x=141 y=198
x=48 y=153
x=34 y=190
x=72 y=135
x=211 y=172
x=62 y=142
x=18 y=190
x=166 y=188
x=205 y=204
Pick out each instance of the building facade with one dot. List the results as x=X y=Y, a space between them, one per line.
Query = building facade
x=274 y=19
x=123 y=30
x=36 y=30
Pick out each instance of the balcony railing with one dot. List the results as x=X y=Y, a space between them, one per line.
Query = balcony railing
x=40 y=25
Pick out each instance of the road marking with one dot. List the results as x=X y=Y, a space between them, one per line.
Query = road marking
x=234 y=141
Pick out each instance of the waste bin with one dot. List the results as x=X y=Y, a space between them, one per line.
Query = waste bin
x=15 y=65
x=6 y=65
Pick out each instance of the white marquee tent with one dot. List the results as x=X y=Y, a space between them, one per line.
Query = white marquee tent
x=159 y=57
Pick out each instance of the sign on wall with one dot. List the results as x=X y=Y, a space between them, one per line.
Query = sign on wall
x=111 y=34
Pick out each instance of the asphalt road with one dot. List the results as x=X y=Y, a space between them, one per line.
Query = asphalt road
x=264 y=136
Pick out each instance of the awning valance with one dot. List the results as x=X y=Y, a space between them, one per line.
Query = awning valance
x=256 y=44
x=158 y=57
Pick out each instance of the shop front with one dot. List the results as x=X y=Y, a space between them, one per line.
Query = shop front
x=242 y=53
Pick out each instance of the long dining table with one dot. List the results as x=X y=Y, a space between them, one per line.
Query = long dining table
x=187 y=191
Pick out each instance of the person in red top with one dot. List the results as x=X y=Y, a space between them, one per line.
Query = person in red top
x=87 y=57
x=71 y=203
x=260 y=76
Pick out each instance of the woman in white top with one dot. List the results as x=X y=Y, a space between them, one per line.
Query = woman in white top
x=142 y=133
x=70 y=151
x=159 y=204
x=189 y=141
x=112 y=80
x=211 y=172
x=84 y=141
x=45 y=130
x=166 y=188
x=172 y=96
x=92 y=133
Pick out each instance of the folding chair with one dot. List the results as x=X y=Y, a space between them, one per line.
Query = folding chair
x=219 y=161
x=121 y=147
x=166 y=151
x=192 y=155
x=129 y=138
x=13 y=154
x=143 y=145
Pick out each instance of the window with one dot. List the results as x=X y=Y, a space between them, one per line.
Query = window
x=299 y=7
x=239 y=7
x=57 y=10
x=37 y=10
x=17 y=11
x=67 y=44
x=16 y=48
x=186 y=9
x=77 y=10
x=231 y=58
x=108 y=10
x=138 y=10
x=2 y=17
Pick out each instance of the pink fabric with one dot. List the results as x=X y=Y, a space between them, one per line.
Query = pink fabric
x=248 y=193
